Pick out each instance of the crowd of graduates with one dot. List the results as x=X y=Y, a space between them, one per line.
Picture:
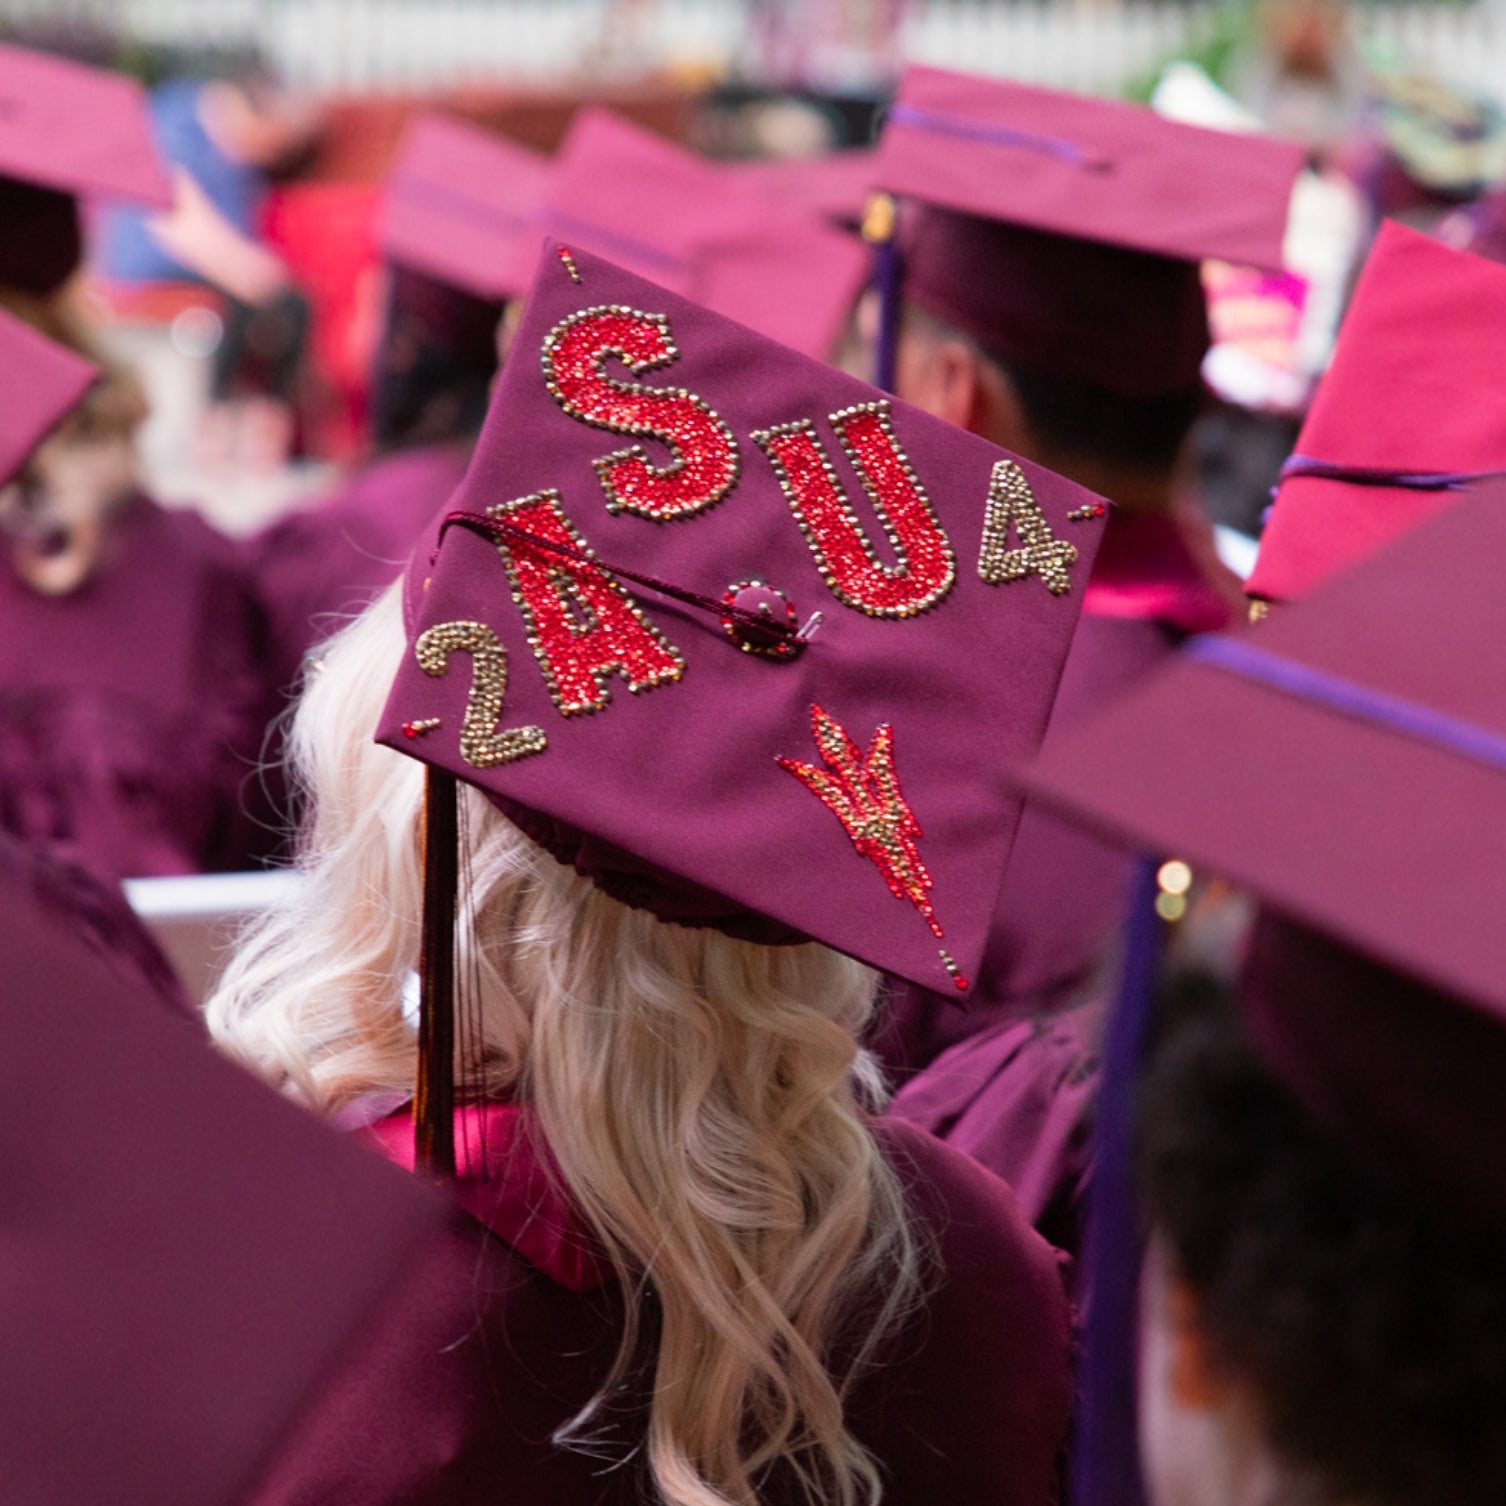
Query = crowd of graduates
x=897 y=960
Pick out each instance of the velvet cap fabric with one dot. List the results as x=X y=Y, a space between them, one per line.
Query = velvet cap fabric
x=705 y=798
x=78 y=129
x=1414 y=389
x=183 y=1254
x=461 y=205
x=40 y=383
x=699 y=228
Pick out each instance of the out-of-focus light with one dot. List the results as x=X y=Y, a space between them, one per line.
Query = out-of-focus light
x=1174 y=878
x=196 y=332
x=1171 y=906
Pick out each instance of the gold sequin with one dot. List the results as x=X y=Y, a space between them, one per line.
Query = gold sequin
x=1011 y=503
x=483 y=744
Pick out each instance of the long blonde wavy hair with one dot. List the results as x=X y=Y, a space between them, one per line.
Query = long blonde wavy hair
x=705 y=1098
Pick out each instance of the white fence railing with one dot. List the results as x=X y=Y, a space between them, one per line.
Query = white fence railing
x=359 y=45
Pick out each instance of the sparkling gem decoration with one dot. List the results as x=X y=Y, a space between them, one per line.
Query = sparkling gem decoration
x=418 y=728
x=862 y=791
x=1011 y=504
x=483 y=744
x=746 y=637
x=582 y=625
x=1087 y=512
x=706 y=461
x=568 y=262
x=925 y=565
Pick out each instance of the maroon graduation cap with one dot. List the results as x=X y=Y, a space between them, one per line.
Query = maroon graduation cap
x=40 y=383
x=461 y=205
x=1405 y=418
x=66 y=132
x=834 y=185
x=1346 y=762
x=183 y=1254
x=736 y=636
x=1065 y=233
x=80 y=130
x=699 y=228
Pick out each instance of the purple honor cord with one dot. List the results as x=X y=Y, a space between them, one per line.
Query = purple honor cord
x=1367 y=475
x=964 y=127
x=1347 y=697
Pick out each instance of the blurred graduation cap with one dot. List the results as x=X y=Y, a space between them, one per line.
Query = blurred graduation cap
x=1345 y=762
x=461 y=206
x=698 y=228
x=1065 y=233
x=183 y=1254
x=66 y=132
x=40 y=384
x=1403 y=420
x=833 y=185
x=761 y=673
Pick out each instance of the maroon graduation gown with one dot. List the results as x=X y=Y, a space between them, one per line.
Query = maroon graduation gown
x=132 y=708
x=1000 y=1078
x=484 y=1353
x=320 y=566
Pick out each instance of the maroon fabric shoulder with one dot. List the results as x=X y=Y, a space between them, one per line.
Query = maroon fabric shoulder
x=1018 y=1099
x=132 y=709
x=454 y=1399
x=976 y=1404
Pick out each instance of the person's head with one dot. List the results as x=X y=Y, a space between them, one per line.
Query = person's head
x=434 y=366
x=1085 y=357
x=53 y=512
x=704 y=1097
x=1311 y=1329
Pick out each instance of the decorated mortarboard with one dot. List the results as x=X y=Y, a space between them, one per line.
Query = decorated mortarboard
x=183 y=1254
x=1345 y=761
x=736 y=636
x=461 y=205
x=79 y=130
x=698 y=228
x=1404 y=419
x=1064 y=233
x=40 y=384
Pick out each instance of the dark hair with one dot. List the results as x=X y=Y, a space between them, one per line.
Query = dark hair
x=1371 y=1330
x=1074 y=417
x=435 y=364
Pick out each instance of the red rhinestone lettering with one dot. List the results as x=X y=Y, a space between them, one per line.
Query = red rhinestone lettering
x=706 y=460
x=1011 y=503
x=582 y=625
x=862 y=791
x=483 y=744
x=926 y=566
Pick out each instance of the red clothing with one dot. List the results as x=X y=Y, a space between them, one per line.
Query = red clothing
x=483 y=1354
x=132 y=708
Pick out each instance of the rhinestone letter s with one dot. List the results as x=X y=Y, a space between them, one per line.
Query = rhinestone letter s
x=706 y=460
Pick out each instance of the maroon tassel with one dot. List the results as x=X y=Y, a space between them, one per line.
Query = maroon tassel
x=434 y=1095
